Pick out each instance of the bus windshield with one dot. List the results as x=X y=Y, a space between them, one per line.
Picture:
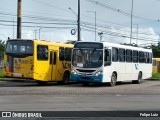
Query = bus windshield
x=87 y=58
x=19 y=48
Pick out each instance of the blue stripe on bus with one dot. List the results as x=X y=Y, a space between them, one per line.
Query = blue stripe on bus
x=80 y=78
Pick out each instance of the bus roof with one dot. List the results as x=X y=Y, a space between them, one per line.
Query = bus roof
x=108 y=44
x=53 y=43
x=45 y=42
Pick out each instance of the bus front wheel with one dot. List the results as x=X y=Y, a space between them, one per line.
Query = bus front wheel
x=66 y=78
x=85 y=83
x=113 y=80
x=41 y=82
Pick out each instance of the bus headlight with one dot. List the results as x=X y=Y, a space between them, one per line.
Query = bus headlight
x=98 y=73
x=73 y=71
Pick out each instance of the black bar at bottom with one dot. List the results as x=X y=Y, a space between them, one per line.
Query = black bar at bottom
x=79 y=113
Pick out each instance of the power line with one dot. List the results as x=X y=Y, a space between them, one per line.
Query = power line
x=83 y=23
x=50 y=19
x=66 y=23
x=60 y=20
x=119 y=34
x=111 y=28
x=51 y=5
x=119 y=11
x=38 y=26
x=60 y=23
x=38 y=17
x=87 y=24
x=92 y=29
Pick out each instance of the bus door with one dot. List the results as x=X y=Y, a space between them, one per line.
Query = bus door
x=53 y=60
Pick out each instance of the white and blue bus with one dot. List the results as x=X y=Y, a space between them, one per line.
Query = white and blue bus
x=103 y=62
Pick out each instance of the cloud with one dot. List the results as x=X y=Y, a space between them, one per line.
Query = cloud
x=112 y=34
x=122 y=35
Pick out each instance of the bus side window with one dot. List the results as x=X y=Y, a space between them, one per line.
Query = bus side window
x=141 y=57
x=107 y=57
x=135 y=56
x=61 y=53
x=68 y=52
x=147 y=58
x=115 y=54
x=128 y=55
x=121 y=54
x=42 y=52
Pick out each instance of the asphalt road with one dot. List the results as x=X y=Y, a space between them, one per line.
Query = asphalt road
x=26 y=95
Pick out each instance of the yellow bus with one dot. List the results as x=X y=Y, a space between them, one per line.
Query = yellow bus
x=40 y=60
x=156 y=65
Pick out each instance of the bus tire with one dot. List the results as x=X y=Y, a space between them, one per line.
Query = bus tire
x=66 y=78
x=139 y=80
x=41 y=82
x=113 y=80
x=85 y=83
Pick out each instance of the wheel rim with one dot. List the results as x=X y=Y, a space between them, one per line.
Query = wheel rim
x=113 y=80
x=140 y=78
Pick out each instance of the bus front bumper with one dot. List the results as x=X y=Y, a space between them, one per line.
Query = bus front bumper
x=80 y=78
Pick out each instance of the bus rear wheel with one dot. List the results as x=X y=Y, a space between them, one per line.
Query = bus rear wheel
x=65 y=80
x=139 y=80
x=113 y=80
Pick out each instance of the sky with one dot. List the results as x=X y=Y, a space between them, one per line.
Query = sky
x=53 y=20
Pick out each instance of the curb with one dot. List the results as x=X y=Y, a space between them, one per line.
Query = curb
x=16 y=80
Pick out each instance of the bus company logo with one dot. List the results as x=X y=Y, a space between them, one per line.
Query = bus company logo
x=84 y=74
x=6 y=114
x=136 y=66
x=21 y=114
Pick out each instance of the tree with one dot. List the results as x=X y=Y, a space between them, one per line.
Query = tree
x=2 y=48
x=156 y=51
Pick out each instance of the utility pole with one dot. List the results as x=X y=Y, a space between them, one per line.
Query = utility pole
x=40 y=33
x=19 y=14
x=131 y=22
x=78 y=26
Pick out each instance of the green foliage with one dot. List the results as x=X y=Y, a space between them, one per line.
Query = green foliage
x=2 y=48
x=1 y=74
x=156 y=51
x=155 y=75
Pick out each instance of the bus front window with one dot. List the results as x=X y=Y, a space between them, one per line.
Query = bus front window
x=19 y=48
x=87 y=58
